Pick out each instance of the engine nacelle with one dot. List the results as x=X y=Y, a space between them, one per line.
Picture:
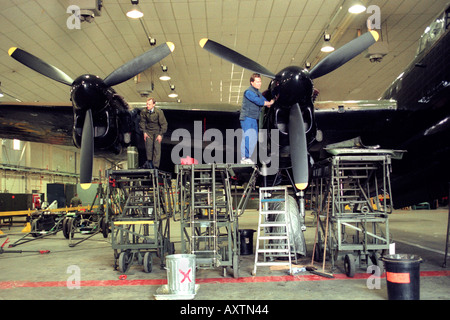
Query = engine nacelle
x=292 y=85
x=89 y=92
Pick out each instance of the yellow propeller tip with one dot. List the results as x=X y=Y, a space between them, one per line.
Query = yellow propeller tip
x=301 y=186
x=11 y=50
x=202 y=42
x=171 y=46
x=375 y=35
x=85 y=186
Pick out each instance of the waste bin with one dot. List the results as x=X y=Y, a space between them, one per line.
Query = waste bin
x=246 y=237
x=402 y=276
x=181 y=274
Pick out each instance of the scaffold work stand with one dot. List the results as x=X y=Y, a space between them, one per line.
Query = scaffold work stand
x=207 y=214
x=138 y=213
x=351 y=196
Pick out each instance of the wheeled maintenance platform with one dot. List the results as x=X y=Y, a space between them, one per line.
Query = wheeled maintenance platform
x=351 y=196
x=139 y=208
x=207 y=213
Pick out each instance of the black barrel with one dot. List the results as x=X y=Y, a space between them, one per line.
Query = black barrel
x=246 y=237
x=402 y=276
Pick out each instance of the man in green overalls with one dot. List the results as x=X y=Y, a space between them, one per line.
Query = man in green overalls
x=153 y=124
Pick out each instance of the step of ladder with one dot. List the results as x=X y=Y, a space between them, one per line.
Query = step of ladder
x=281 y=247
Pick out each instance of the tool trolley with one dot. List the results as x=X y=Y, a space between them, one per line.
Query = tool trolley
x=43 y=223
x=139 y=209
x=73 y=220
x=351 y=195
x=87 y=222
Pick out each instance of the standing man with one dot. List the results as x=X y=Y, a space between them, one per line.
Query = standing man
x=75 y=201
x=153 y=124
x=252 y=102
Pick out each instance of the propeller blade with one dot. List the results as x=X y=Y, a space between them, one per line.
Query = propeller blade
x=344 y=54
x=299 y=151
x=40 y=66
x=234 y=57
x=87 y=149
x=139 y=64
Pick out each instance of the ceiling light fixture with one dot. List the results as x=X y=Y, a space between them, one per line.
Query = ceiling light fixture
x=165 y=76
x=173 y=94
x=327 y=47
x=134 y=12
x=357 y=7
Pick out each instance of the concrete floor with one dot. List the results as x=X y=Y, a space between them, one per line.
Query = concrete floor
x=35 y=276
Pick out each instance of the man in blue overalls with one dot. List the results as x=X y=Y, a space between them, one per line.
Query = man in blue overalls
x=252 y=102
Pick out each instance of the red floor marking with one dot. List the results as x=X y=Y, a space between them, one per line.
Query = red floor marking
x=159 y=282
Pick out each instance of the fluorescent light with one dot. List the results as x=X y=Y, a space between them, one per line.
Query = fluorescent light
x=173 y=95
x=164 y=77
x=134 y=12
x=356 y=8
x=326 y=46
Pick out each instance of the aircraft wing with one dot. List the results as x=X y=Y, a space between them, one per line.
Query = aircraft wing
x=37 y=122
x=338 y=120
x=343 y=120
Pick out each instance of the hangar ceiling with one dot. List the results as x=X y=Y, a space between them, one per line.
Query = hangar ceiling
x=275 y=33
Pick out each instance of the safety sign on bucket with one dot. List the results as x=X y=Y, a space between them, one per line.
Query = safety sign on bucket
x=398 y=277
x=181 y=273
x=185 y=275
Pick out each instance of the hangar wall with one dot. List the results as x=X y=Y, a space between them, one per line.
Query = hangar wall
x=31 y=166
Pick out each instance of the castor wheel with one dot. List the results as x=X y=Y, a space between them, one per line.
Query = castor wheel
x=148 y=262
x=125 y=261
x=349 y=265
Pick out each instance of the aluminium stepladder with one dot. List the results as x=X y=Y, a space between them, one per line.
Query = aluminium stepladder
x=273 y=238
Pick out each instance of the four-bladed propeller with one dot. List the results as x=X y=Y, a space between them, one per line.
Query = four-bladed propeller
x=297 y=136
x=121 y=74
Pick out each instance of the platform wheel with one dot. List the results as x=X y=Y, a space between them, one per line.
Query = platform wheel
x=71 y=225
x=68 y=227
x=125 y=261
x=376 y=260
x=64 y=228
x=349 y=265
x=148 y=262
x=105 y=227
